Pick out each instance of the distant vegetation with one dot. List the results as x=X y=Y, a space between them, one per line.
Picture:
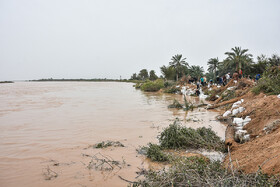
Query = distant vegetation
x=2 y=82
x=93 y=80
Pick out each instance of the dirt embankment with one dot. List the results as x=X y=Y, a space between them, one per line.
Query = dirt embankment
x=263 y=148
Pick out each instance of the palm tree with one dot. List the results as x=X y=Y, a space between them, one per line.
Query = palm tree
x=178 y=63
x=213 y=64
x=168 y=72
x=238 y=57
x=196 y=71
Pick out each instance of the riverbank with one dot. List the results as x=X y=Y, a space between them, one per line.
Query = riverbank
x=255 y=152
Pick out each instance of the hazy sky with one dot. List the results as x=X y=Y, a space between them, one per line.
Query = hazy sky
x=109 y=38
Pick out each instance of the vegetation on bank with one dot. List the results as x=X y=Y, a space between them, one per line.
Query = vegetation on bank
x=194 y=170
x=152 y=86
x=177 y=136
x=198 y=171
x=180 y=137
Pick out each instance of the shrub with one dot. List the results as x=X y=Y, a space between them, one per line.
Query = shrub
x=169 y=84
x=180 y=137
x=155 y=153
x=152 y=86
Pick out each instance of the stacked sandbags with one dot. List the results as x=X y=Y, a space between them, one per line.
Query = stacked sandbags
x=235 y=109
x=240 y=134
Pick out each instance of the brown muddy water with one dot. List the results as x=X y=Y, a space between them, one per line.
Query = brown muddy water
x=51 y=125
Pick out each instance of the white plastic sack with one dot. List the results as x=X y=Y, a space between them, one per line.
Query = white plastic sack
x=235 y=111
x=227 y=113
x=241 y=109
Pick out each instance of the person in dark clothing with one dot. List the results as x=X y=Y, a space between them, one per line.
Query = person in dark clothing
x=197 y=92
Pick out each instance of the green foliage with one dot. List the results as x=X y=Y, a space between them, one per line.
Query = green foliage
x=175 y=104
x=180 y=137
x=179 y=64
x=168 y=72
x=239 y=57
x=169 y=84
x=213 y=64
x=143 y=74
x=153 y=75
x=155 y=153
x=152 y=86
x=197 y=171
x=270 y=82
x=196 y=71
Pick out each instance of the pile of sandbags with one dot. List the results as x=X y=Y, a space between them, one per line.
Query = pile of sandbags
x=241 y=135
x=235 y=109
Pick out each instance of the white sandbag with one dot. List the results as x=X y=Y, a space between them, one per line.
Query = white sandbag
x=231 y=88
x=246 y=137
x=241 y=109
x=235 y=111
x=237 y=120
x=238 y=128
x=227 y=113
x=237 y=103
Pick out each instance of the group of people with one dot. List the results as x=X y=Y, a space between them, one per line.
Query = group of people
x=222 y=81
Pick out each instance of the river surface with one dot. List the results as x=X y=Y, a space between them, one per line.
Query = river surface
x=48 y=128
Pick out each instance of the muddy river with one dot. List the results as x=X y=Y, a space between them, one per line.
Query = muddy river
x=47 y=129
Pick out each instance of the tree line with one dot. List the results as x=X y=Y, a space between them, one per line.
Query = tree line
x=237 y=59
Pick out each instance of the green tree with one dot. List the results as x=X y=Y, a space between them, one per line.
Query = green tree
x=239 y=57
x=143 y=74
x=196 y=71
x=213 y=64
x=134 y=76
x=274 y=60
x=153 y=75
x=168 y=72
x=179 y=64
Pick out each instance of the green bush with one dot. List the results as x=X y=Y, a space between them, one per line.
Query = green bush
x=152 y=86
x=270 y=82
x=180 y=137
x=155 y=153
x=169 y=84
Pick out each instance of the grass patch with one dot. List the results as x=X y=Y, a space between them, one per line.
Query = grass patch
x=197 y=171
x=179 y=137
